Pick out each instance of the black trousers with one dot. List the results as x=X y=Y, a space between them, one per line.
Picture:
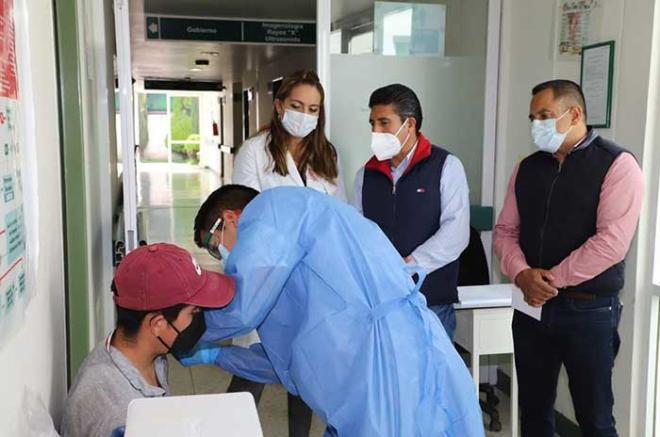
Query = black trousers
x=300 y=415
x=582 y=335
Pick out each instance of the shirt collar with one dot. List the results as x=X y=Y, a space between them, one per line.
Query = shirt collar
x=134 y=376
x=404 y=163
x=586 y=140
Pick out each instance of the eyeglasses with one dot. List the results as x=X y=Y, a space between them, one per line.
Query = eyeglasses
x=213 y=251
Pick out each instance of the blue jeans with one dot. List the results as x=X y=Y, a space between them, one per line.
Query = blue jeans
x=447 y=316
x=582 y=335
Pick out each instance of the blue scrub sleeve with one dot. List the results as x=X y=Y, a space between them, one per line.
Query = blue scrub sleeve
x=261 y=262
x=249 y=363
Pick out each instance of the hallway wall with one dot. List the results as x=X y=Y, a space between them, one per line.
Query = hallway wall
x=35 y=356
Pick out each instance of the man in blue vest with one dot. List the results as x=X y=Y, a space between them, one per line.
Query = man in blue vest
x=418 y=194
x=568 y=218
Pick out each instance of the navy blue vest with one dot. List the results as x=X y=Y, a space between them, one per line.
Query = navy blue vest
x=409 y=213
x=558 y=207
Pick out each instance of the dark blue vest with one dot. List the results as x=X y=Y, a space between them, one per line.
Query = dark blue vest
x=409 y=213
x=558 y=207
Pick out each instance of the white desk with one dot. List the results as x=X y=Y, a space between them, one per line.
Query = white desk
x=483 y=327
x=225 y=414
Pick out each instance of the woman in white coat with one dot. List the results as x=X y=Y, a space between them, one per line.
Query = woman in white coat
x=292 y=150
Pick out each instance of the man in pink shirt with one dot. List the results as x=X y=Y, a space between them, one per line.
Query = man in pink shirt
x=568 y=218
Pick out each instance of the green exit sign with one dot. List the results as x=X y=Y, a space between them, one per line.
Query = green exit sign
x=225 y=30
x=271 y=32
x=192 y=29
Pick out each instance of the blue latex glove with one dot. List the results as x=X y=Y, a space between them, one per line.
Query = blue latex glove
x=203 y=353
x=118 y=432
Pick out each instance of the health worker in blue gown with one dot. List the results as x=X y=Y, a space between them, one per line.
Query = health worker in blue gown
x=341 y=321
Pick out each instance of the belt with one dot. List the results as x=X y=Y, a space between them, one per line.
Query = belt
x=578 y=295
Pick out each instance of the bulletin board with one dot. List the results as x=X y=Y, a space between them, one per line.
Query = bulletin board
x=596 y=77
x=14 y=294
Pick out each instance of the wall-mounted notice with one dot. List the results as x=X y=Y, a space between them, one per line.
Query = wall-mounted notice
x=13 y=291
x=596 y=79
x=575 y=22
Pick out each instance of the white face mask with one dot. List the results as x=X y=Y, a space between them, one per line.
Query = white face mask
x=299 y=124
x=386 y=145
x=545 y=135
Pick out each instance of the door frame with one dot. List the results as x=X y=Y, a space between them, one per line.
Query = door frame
x=126 y=113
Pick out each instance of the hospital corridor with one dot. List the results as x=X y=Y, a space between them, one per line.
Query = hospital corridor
x=330 y=218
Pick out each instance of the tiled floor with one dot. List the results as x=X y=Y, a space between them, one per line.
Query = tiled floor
x=169 y=200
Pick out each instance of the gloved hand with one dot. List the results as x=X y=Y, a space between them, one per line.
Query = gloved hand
x=118 y=432
x=203 y=353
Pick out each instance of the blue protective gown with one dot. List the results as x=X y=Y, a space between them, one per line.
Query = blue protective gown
x=341 y=322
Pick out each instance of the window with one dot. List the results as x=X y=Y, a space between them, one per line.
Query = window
x=335 y=42
x=361 y=43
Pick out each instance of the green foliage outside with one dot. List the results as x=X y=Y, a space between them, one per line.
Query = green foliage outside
x=184 y=119
x=188 y=152
x=184 y=126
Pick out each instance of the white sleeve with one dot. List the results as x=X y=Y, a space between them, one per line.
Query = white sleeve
x=453 y=236
x=246 y=171
x=356 y=201
x=341 y=186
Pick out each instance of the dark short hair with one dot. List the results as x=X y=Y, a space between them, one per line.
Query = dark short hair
x=404 y=100
x=129 y=321
x=564 y=88
x=227 y=197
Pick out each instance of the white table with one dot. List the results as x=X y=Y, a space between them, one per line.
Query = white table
x=225 y=414
x=483 y=327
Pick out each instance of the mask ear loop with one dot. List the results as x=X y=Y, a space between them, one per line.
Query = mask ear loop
x=560 y=117
x=399 y=130
x=169 y=348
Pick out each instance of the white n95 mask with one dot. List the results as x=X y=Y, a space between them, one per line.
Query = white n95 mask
x=386 y=145
x=299 y=124
x=545 y=135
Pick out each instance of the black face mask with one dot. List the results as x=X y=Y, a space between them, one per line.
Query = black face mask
x=188 y=338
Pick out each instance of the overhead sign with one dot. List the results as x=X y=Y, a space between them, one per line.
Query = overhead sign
x=279 y=33
x=224 y=30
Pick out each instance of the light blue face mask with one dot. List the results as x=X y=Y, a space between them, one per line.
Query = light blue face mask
x=222 y=250
x=221 y=253
x=545 y=135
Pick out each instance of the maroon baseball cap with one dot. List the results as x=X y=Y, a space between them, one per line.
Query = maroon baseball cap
x=162 y=275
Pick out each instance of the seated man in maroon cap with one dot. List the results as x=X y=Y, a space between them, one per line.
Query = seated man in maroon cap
x=160 y=293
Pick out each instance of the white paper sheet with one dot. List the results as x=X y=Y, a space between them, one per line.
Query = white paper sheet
x=518 y=303
x=595 y=83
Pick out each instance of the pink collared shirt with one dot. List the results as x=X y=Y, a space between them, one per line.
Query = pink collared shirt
x=618 y=211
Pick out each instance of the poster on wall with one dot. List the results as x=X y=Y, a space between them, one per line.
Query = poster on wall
x=14 y=295
x=596 y=76
x=575 y=25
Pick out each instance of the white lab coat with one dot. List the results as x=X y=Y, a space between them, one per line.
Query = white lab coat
x=253 y=167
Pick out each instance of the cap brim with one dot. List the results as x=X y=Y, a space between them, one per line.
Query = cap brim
x=217 y=292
